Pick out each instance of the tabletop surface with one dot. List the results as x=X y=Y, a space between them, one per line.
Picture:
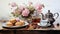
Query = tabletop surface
x=54 y=28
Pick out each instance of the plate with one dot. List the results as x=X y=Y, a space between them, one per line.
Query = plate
x=43 y=25
x=14 y=27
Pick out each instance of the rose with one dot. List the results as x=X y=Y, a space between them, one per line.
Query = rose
x=25 y=12
x=38 y=7
x=21 y=8
x=17 y=19
x=18 y=10
x=13 y=4
x=31 y=7
x=30 y=3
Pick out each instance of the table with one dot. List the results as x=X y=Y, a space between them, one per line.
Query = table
x=38 y=28
x=54 y=28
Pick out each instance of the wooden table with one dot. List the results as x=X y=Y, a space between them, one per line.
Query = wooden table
x=15 y=30
x=54 y=28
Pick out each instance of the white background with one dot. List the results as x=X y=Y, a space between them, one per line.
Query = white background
x=53 y=5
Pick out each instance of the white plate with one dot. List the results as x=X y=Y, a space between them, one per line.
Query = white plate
x=4 y=25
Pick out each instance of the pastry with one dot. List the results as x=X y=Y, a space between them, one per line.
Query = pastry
x=22 y=22
x=19 y=23
x=9 y=24
x=13 y=21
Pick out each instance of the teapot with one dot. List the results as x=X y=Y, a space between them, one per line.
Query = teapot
x=50 y=17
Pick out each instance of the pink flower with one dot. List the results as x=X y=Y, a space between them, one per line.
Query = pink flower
x=13 y=4
x=25 y=12
x=21 y=8
x=38 y=7
x=17 y=19
x=30 y=3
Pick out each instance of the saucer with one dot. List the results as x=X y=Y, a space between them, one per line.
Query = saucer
x=43 y=24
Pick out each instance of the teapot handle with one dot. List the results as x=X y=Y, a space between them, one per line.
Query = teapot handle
x=57 y=15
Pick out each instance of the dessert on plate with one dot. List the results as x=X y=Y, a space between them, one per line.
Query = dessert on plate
x=14 y=22
x=19 y=23
x=9 y=24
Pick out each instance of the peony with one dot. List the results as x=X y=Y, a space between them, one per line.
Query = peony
x=21 y=8
x=38 y=7
x=30 y=3
x=25 y=12
x=13 y=4
x=17 y=19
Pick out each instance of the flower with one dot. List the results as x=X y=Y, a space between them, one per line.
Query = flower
x=17 y=19
x=25 y=12
x=21 y=8
x=38 y=7
x=31 y=7
x=13 y=4
x=30 y=3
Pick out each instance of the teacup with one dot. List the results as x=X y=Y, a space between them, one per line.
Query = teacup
x=44 y=23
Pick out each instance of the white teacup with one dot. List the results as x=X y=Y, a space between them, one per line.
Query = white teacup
x=44 y=23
